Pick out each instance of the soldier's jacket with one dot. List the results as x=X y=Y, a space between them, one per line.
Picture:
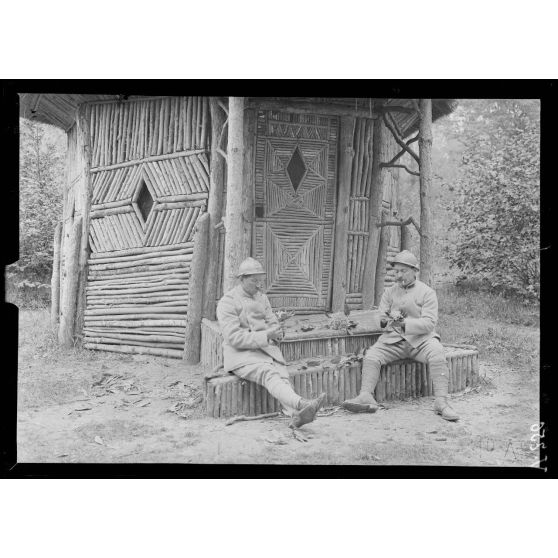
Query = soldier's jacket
x=420 y=305
x=243 y=320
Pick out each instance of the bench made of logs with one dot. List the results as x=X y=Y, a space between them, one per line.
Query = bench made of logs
x=295 y=347
x=228 y=395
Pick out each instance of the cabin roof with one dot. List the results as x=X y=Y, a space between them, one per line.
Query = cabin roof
x=60 y=109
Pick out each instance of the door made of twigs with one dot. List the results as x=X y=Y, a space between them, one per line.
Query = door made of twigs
x=295 y=182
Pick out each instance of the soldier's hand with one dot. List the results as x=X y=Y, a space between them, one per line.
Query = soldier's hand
x=275 y=333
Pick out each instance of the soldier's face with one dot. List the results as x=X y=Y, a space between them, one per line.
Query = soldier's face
x=253 y=283
x=404 y=275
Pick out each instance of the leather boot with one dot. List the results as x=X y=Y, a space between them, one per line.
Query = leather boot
x=364 y=402
x=440 y=382
x=306 y=411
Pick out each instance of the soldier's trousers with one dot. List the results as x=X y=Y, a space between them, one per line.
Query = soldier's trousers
x=275 y=378
x=430 y=352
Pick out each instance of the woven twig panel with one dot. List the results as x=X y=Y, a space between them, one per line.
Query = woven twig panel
x=125 y=131
x=295 y=178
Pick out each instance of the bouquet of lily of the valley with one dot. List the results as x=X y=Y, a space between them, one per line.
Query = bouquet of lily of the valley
x=393 y=320
x=283 y=315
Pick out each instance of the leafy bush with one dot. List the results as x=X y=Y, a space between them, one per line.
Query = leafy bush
x=40 y=189
x=496 y=212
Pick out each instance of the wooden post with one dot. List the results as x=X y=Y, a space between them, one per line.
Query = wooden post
x=425 y=150
x=69 y=295
x=381 y=265
x=55 y=281
x=249 y=175
x=405 y=237
x=214 y=210
x=376 y=197
x=238 y=229
x=83 y=149
x=346 y=154
x=192 y=335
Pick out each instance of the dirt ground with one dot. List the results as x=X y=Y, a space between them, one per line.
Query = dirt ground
x=110 y=408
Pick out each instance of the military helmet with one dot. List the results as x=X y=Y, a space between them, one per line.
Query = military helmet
x=250 y=266
x=406 y=258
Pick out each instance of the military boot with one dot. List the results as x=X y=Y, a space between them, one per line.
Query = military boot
x=306 y=412
x=364 y=402
x=440 y=383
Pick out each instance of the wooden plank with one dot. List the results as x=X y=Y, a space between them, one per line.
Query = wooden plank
x=306 y=107
x=346 y=153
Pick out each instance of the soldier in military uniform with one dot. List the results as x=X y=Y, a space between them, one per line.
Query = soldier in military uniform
x=250 y=330
x=411 y=335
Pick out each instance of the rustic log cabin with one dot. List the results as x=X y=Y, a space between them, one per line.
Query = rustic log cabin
x=164 y=196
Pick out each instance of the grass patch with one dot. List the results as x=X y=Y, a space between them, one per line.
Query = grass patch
x=474 y=303
x=505 y=330
x=37 y=339
x=26 y=295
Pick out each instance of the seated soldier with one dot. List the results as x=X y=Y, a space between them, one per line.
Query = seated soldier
x=411 y=335
x=250 y=329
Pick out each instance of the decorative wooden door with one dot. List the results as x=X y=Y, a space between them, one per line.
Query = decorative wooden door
x=295 y=183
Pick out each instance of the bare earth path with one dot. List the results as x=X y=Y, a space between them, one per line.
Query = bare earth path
x=107 y=408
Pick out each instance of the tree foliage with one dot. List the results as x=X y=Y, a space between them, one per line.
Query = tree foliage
x=496 y=210
x=40 y=192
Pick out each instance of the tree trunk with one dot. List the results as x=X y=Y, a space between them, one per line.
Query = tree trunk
x=55 y=281
x=69 y=296
x=346 y=154
x=192 y=336
x=374 y=231
x=425 y=149
x=238 y=228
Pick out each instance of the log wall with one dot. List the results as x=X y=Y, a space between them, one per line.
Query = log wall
x=137 y=265
x=149 y=187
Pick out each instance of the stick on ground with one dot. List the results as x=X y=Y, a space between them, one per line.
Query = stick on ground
x=255 y=417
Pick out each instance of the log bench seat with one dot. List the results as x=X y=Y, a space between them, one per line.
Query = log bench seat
x=227 y=395
x=298 y=344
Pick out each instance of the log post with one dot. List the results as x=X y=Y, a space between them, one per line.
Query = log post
x=55 y=281
x=346 y=154
x=238 y=227
x=379 y=148
x=83 y=149
x=249 y=170
x=214 y=210
x=382 y=263
x=425 y=150
x=69 y=295
x=405 y=237
x=192 y=334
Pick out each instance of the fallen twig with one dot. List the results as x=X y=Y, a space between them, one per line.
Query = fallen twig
x=298 y=435
x=256 y=417
x=328 y=413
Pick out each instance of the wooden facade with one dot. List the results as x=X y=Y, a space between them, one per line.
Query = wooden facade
x=142 y=172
